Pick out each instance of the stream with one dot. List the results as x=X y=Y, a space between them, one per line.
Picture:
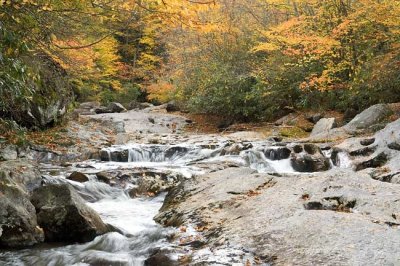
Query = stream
x=139 y=236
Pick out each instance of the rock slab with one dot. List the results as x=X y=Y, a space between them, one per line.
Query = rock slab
x=64 y=216
x=18 y=223
x=323 y=126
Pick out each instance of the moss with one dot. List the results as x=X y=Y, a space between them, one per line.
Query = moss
x=293 y=132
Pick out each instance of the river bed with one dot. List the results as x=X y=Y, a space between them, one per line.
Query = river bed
x=139 y=236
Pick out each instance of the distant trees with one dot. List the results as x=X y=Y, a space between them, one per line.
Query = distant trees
x=318 y=54
x=247 y=59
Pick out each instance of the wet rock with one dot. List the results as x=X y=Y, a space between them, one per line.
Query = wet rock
x=18 y=222
x=78 y=177
x=64 y=216
x=312 y=160
x=105 y=156
x=176 y=150
x=152 y=183
x=297 y=148
x=104 y=177
x=310 y=163
x=311 y=148
x=236 y=148
x=8 y=152
x=323 y=126
x=114 y=155
x=371 y=116
x=160 y=257
x=277 y=153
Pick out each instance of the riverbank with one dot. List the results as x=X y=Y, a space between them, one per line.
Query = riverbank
x=235 y=197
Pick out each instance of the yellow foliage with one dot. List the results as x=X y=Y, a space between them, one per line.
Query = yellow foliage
x=161 y=91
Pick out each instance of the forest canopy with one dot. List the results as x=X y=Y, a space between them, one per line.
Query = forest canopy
x=247 y=59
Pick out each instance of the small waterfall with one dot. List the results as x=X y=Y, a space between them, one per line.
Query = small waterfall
x=344 y=160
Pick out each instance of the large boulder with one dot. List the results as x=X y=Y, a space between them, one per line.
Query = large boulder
x=64 y=216
x=380 y=151
x=18 y=223
x=369 y=117
x=116 y=107
x=311 y=160
x=323 y=126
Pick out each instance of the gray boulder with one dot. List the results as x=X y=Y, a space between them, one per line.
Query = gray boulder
x=18 y=223
x=114 y=107
x=323 y=126
x=369 y=117
x=64 y=216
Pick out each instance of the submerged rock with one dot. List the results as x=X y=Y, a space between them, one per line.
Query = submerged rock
x=64 y=216
x=18 y=223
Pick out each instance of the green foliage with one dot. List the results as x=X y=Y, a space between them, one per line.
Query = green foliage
x=126 y=95
x=16 y=79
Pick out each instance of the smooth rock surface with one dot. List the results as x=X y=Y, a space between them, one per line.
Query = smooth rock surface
x=64 y=216
x=332 y=218
x=323 y=126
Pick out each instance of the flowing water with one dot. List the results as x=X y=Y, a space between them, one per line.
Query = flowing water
x=139 y=235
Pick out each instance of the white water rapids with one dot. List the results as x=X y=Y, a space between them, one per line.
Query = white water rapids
x=134 y=216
